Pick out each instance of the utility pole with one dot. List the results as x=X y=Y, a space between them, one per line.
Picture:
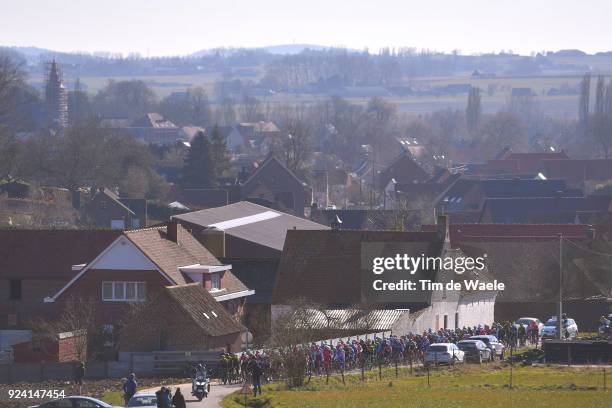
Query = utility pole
x=560 y=317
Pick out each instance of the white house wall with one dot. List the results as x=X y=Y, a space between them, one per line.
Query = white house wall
x=477 y=309
x=123 y=255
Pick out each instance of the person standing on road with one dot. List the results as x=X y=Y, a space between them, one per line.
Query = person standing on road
x=164 y=398
x=129 y=388
x=254 y=367
x=178 y=401
x=79 y=374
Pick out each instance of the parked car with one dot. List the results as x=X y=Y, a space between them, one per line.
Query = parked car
x=143 y=400
x=443 y=353
x=550 y=328
x=475 y=350
x=526 y=322
x=492 y=343
x=74 y=402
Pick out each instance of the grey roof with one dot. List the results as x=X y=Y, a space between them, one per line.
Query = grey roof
x=263 y=226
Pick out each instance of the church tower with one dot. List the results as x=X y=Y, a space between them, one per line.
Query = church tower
x=56 y=98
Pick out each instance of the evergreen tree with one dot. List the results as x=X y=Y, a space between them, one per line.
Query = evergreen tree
x=220 y=155
x=199 y=167
x=583 y=106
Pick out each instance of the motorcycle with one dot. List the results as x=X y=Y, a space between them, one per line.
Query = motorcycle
x=201 y=387
x=605 y=330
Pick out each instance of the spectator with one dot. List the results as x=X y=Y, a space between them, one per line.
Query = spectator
x=129 y=388
x=79 y=374
x=178 y=400
x=164 y=398
x=256 y=372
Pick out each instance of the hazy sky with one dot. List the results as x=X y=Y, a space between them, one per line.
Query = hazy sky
x=176 y=27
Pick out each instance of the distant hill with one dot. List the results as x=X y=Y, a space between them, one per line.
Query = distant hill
x=280 y=49
x=570 y=53
x=288 y=49
x=32 y=52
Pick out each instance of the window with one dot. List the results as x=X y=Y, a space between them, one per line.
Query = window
x=83 y=403
x=215 y=281
x=135 y=223
x=64 y=403
x=457 y=320
x=124 y=291
x=15 y=289
x=445 y=321
x=108 y=333
x=117 y=224
x=119 y=290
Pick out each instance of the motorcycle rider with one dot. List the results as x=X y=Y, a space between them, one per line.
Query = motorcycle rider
x=197 y=371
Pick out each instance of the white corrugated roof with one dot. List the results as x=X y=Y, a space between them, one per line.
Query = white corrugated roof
x=350 y=319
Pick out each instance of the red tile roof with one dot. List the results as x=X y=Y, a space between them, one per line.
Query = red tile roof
x=460 y=233
x=204 y=310
x=169 y=255
x=532 y=162
x=578 y=170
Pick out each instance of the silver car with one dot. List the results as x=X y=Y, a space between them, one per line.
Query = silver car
x=570 y=329
x=74 y=402
x=143 y=400
x=443 y=353
x=491 y=341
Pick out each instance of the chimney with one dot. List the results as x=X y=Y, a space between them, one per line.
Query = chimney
x=172 y=230
x=442 y=227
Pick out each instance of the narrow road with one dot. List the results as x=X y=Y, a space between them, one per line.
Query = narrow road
x=217 y=393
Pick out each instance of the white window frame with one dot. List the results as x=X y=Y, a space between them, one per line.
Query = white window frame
x=139 y=296
x=215 y=278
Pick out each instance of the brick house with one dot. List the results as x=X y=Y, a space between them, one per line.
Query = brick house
x=35 y=263
x=325 y=268
x=275 y=186
x=526 y=258
x=107 y=210
x=251 y=238
x=139 y=264
x=195 y=321
x=404 y=169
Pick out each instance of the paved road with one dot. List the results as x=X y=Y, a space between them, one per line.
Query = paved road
x=217 y=393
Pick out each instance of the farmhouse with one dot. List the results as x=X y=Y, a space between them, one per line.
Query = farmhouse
x=324 y=268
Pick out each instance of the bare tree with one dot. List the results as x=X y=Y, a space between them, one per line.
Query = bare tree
x=11 y=76
x=76 y=318
x=250 y=109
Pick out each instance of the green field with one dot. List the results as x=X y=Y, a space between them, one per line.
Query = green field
x=560 y=106
x=469 y=386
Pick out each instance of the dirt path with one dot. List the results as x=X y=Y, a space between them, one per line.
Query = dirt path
x=217 y=393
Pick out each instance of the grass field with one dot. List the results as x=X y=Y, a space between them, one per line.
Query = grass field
x=560 y=105
x=469 y=386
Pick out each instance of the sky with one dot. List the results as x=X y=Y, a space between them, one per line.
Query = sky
x=179 y=27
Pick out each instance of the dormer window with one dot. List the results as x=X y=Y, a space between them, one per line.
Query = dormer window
x=215 y=281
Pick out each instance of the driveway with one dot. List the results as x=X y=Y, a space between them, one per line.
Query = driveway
x=217 y=393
